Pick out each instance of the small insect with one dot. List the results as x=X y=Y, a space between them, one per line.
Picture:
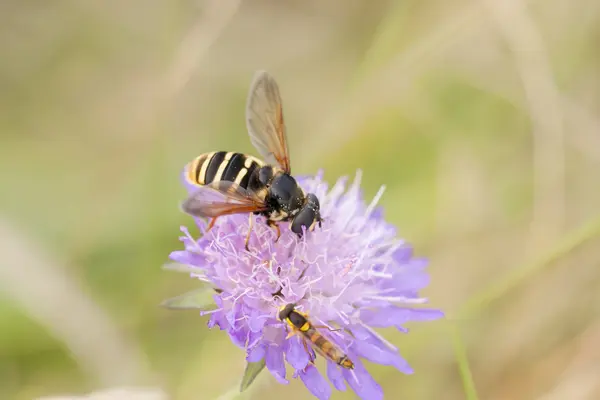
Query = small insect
x=233 y=183
x=299 y=324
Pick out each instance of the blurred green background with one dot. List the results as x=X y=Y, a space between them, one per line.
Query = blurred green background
x=482 y=118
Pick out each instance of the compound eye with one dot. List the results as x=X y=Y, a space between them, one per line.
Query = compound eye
x=305 y=217
x=313 y=201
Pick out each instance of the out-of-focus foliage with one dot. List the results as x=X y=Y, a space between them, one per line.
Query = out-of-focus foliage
x=480 y=117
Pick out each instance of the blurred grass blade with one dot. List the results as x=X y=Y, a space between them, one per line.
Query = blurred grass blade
x=462 y=360
x=251 y=372
x=177 y=267
x=198 y=299
x=570 y=242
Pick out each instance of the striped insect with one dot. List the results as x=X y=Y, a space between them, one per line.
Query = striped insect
x=299 y=324
x=233 y=183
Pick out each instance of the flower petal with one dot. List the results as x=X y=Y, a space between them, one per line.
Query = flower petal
x=335 y=376
x=381 y=356
x=403 y=254
x=256 y=353
x=405 y=283
x=396 y=316
x=234 y=315
x=187 y=258
x=239 y=337
x=362 y=382
x=219 y=320
x=315 y=383
x=275 y=363
x=253 y=339
x=256 y=320
x=296 y=354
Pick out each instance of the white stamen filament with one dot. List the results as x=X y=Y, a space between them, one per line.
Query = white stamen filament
x=203 y=313
x=336 y=298
x=345 y=319
x=383 y=275
x=357 y=179
x=236 y=298
x=242 y=318
x=398 y=299
x=335 y=192
x=374 y=202
x=378 y=336
x=310 y=283
x=235 y=280
x=202 y=278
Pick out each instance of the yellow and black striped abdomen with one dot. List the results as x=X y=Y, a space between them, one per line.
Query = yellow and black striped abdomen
x=326 y=348
x=222 y=166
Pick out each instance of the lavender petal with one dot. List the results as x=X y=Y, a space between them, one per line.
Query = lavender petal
x=275 y=363
x=187 y=258
x=253 y=339
x=362 y=382
x=295 y=353
x=256 y=353
x=381 y=356
x=239 y=337
x=335 y=376
x=315 y=383
x=257 y=321
x=396 y=316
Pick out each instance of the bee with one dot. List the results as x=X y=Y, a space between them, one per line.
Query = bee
x=234 y=183
x=300 y=325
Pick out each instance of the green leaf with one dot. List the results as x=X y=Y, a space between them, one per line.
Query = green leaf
x=199 y=299
x=251 y=372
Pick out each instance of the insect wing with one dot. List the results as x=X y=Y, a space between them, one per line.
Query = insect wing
x=264 y=121
x=221 y=198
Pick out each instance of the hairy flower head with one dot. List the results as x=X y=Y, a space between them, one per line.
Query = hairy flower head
x=353 y=273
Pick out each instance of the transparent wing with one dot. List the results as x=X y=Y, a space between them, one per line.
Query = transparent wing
x=221 y=198
x=264 y=120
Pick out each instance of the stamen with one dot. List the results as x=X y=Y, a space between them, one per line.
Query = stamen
x=235 y=280
x=357 y=179
x=382 y=275
x=202 y=278
x=233 y=249
x=374 y=202
x=236 y=298
x=398 y=299
x=378 y=336
x=203 y=313
x=242 y=318
x=310 y=283
x=336 y=298
x=345 y=319
x=336 y=191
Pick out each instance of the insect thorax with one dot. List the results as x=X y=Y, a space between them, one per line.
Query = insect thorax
x=296 y=319
x=285 y=196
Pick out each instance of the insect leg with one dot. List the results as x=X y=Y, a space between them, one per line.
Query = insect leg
x=310 y=354
x=274 y=225
x=290 y=334
x=211 y=224
x=250 y=226
x=328 y=328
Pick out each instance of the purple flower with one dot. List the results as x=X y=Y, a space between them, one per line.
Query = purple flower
x=352 y=273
